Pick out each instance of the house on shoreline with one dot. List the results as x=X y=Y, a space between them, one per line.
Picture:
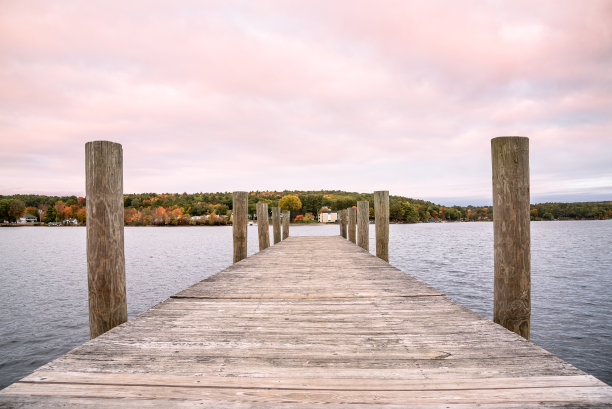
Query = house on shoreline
x=328 y=216
x=27 y=219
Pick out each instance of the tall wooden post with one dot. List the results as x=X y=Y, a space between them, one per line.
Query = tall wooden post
x=286 y=220
x=343 y=222
x=363 y=224
x=511 y=229
x=381 y=216
x=352 y=224
x=240 y=207
x=263 y=227
x=105 y=249
x=276 y=224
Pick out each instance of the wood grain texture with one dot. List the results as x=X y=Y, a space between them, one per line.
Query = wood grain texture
x=511 y=225
x=312 y=322
x=286 y=221
x=105 y=247
x=363 y=224
x=240 y=205
x=276 y=224
x=263 y=227
x=381 y=215
x=352 y=224
x=343 y=223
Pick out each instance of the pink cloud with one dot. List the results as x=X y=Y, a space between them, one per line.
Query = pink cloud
x=297 y=92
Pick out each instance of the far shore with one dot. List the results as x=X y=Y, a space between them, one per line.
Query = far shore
x=292 y=224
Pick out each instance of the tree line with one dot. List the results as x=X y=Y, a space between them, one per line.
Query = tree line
x=215 y=208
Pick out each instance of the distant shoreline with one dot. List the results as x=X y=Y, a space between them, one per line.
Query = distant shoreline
x=8 y=225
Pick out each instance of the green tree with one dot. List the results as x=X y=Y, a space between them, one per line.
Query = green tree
x=4 y=209
x=396 y=211
x=222 y=210
x=410 y=213
x=15 y=210
x=452 y=214
x=50 y=215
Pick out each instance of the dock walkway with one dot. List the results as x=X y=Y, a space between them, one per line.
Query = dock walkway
x=311 y=322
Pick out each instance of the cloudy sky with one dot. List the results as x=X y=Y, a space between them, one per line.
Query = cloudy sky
x=352 y=95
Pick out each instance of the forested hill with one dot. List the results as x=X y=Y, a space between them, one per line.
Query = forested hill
x=215 y=208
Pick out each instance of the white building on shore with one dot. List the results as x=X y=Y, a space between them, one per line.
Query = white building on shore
x=328 y=216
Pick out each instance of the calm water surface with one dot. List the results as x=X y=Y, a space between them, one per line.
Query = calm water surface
x=43 y=281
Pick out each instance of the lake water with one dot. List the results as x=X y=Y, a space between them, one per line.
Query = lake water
x=43 y=281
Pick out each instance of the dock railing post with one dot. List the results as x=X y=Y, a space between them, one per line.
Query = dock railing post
x=105 y=245
x=263 y=227
x=363 y=224
x=240 y=206
x=343 y=222
x=511 y=230
x=352 y=224
x=276 y=224
x=286 y=220
x=381 y=216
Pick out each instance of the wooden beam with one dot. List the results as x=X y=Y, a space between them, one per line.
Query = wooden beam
x=381 y=214
x=263 y=228
x=511 y=226
x=276 y=224
x=352 y=224
x=286 y=221
x=343 y=223
x=240 y=206
x=363 y=224
x=105 y=248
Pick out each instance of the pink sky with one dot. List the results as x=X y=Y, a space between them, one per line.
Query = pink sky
x=272 y=95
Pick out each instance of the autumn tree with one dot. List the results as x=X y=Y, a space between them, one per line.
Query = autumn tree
x=59 y=209
x=32 y=211
x=291 y=203
x=81 y=216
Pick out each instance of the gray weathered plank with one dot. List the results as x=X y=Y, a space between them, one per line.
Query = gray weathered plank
x=311 y=322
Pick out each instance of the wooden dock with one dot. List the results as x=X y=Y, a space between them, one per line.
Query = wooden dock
x=310 y=322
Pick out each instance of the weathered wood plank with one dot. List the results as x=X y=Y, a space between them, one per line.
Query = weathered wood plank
x=589 y=394
x=363 y=384
x=310 y=322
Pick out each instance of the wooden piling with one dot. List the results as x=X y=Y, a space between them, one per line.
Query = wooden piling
x=263 y=227
x=240 y=206
x=381 y=216
x=343 y=222
x=105 y=246
x=511 y=227
x=352 y=224
x=286 y=220
x=276 y=224
x=363 y=224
